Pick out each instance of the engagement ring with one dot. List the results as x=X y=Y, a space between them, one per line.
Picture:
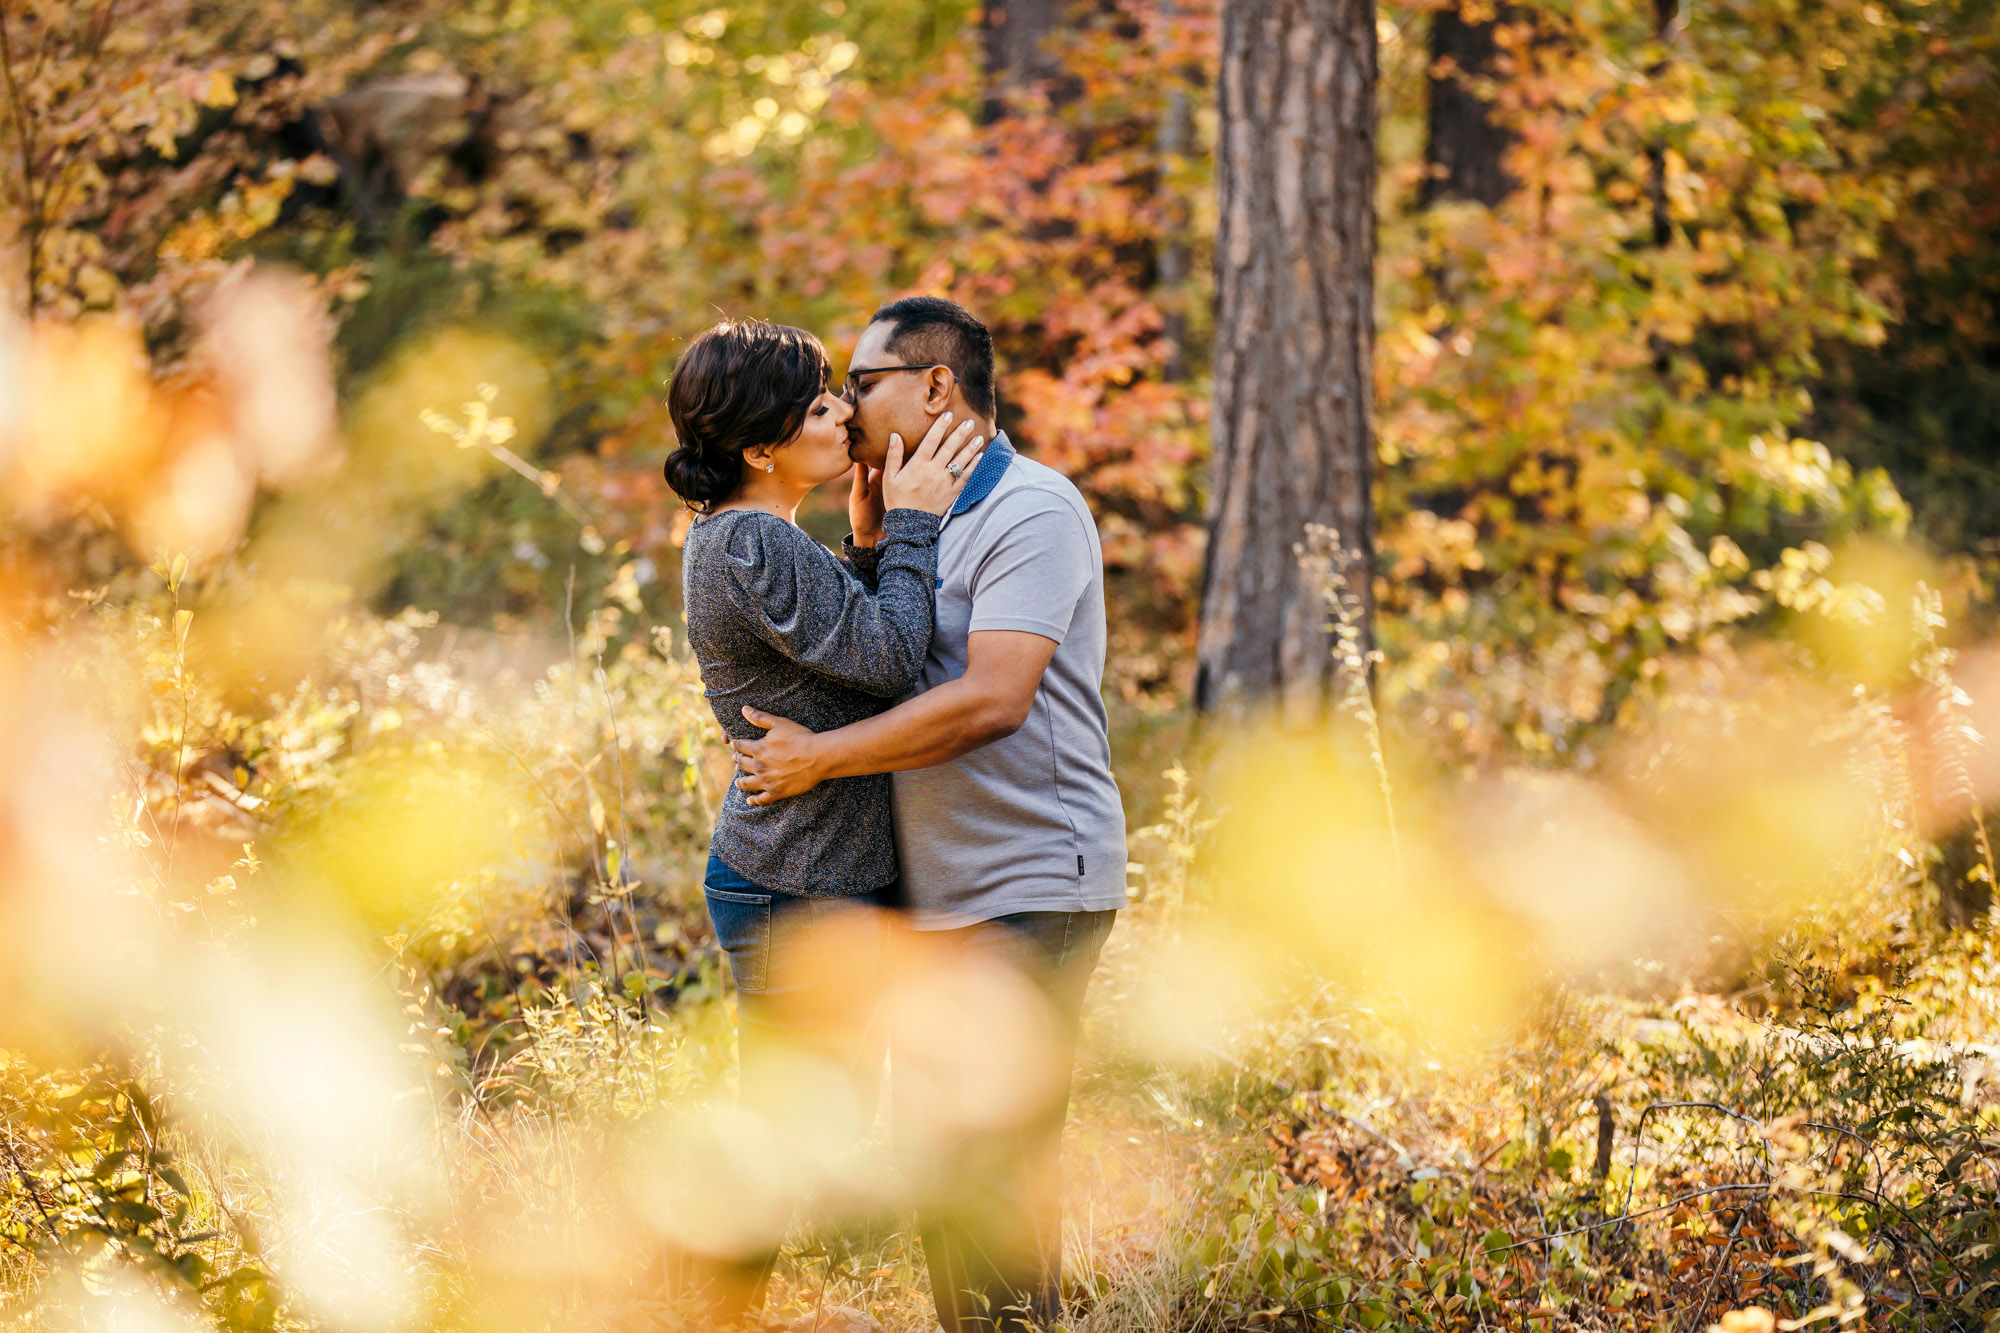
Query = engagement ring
x=955 y=469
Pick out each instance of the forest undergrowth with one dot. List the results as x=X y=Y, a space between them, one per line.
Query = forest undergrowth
x=218 y=1117
x=1633 y=970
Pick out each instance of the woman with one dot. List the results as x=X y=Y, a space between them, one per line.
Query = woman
x=777 y=622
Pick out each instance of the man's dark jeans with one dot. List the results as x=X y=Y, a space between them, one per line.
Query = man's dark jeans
x=993 y=1233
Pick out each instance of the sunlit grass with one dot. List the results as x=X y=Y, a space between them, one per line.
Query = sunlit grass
x=353 y=978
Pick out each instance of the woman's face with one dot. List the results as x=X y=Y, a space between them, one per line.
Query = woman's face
x=818 y=453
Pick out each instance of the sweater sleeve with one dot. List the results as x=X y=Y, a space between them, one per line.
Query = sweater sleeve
x=805 y=602
x=865 y=562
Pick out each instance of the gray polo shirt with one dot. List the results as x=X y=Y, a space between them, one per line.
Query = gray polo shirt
x=1030 y=823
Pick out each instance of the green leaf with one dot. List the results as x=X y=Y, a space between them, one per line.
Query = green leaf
x=136 y=1212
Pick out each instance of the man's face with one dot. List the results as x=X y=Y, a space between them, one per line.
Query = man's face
x=883 y=404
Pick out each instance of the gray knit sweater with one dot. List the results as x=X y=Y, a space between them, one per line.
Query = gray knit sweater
x=779 y=622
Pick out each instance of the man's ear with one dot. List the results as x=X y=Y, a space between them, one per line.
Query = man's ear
x=938 y=384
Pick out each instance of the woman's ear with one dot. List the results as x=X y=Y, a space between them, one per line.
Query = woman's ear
x=757 y=458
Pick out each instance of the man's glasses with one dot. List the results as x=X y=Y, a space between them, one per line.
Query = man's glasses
x=851 y=391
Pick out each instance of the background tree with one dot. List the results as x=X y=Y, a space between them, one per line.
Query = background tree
x=1594 y=444
x=1019 y=48
x=1465 y=147
x=1295 y=253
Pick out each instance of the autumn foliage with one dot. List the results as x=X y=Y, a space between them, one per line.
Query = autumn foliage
x=1607 y=405
x=357 y=774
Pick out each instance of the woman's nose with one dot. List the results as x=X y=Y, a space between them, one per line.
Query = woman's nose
x=843 y=409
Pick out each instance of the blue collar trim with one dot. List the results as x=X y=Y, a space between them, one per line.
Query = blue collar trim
x=993 y=466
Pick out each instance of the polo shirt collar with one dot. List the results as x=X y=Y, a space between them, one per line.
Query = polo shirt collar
x=993 y=465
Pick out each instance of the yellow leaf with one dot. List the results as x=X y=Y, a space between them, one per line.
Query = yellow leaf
x=319 y=169
x=217 y=90
x=98 y=286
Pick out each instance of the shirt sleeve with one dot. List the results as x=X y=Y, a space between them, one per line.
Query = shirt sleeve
x=1034 y=574
x=801 y=599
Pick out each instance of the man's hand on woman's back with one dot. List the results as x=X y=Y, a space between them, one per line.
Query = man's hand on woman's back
x=990 y=701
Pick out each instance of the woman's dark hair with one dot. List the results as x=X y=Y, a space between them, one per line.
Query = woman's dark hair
x=743 y=383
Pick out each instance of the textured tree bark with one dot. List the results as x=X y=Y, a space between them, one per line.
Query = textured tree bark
x=1294 y=258
x=1466 y=151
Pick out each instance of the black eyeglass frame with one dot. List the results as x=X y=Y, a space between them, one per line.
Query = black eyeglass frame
x=847 y=386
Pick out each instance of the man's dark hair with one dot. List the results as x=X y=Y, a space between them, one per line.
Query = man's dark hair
x=740 y=384
x=929 y=330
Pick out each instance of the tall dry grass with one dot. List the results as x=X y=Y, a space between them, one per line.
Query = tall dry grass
x=354 y=974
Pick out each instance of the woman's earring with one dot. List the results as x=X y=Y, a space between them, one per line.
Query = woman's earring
x=770 y=467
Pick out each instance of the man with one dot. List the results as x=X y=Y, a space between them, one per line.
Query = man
x=1008 y=822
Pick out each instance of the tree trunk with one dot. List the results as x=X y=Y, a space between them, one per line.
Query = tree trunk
x=1666 y=21
x=1294 y=259
x=1017 y=36
x=1466 y=151
x=1175 y=140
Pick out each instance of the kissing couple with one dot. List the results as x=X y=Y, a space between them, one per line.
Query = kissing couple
x=923 y=768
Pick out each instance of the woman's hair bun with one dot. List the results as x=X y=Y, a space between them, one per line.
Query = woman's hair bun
x=702 y=481
x=743 y=383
